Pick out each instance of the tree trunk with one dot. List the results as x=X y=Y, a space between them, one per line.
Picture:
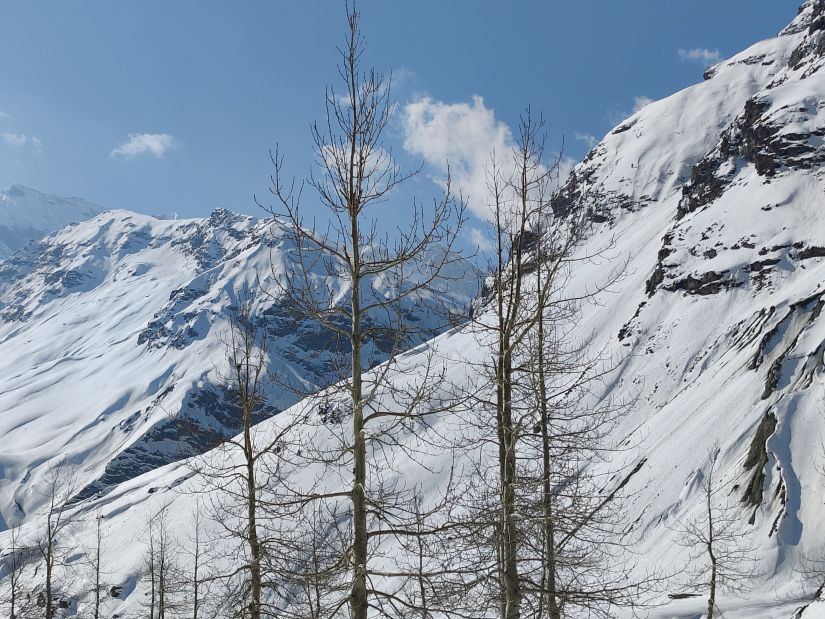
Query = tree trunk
x=254 y=543
x=358 y=602
x=510 y=534
x=711 y=554
x=549 y=560
x=196 y=572
x=712 y=596
x=49 y=565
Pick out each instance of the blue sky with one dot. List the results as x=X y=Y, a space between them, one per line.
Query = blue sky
x=205 y=88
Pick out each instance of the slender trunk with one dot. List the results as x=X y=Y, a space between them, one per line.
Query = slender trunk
x=711 y=554
x=196 y=572
x=358 y=601
x=359 y=507
x=712 y=596
x=14 y=577
x=162 y=584
x=152 y=572
x=422 y=584
x=549 y=578
x=510 y=534
x=255 y=551
x=97 y=572
x=549 y=594
x=49 y=566
x=710 y=548
x=508 y=542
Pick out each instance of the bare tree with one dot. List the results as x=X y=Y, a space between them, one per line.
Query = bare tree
x=96 y=564
x=516 y=188
x=165 y=579
x=541 y=527
x=57 y=517
x=248 y=362
x=367 y=506
x=12 y=561
x=242 y=477
x=233 y=470
x=196 y=553
x=718 y=545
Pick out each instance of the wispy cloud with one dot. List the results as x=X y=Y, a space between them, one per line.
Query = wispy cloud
x=587 y=138
x=154 y=144
x=700 y=54
x=15 y=139
x=641 y=102
x=5 y=116
x=18 y=140
x=402 y=77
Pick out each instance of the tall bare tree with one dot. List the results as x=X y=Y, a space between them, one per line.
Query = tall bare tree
x=357 y=174
x=196 y=553
x=516 y=186
x=233 y=471
x=539 y=524
x=165 y=578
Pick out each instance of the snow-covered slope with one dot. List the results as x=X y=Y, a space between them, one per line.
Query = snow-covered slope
x=715 y=198
x=27 y=215
x=112 y=343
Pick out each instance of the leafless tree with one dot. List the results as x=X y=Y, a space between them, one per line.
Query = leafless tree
x=358 y=432
x=233 y=471
x=166 y=597
x=516 y=188
x=540 y=524
x=95 y=563
x=196 y=554
x=721 y=558
x=59 y=488
x=12 y=562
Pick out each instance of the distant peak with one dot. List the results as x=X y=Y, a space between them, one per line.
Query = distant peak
x=19 y=190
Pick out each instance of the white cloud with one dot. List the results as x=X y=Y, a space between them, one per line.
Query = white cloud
x=700 y=54
x=15 y=139
x=463 y=136
x=587 y=138
x=155 y=144
x=641 y=102
x=5 y=116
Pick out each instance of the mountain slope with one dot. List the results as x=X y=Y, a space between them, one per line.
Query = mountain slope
x=111 y=342
x=27 y=215
x=714 y=197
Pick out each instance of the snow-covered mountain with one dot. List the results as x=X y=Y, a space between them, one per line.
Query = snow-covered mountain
x=112 y=342
x=28 y=215
x=714 y=197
